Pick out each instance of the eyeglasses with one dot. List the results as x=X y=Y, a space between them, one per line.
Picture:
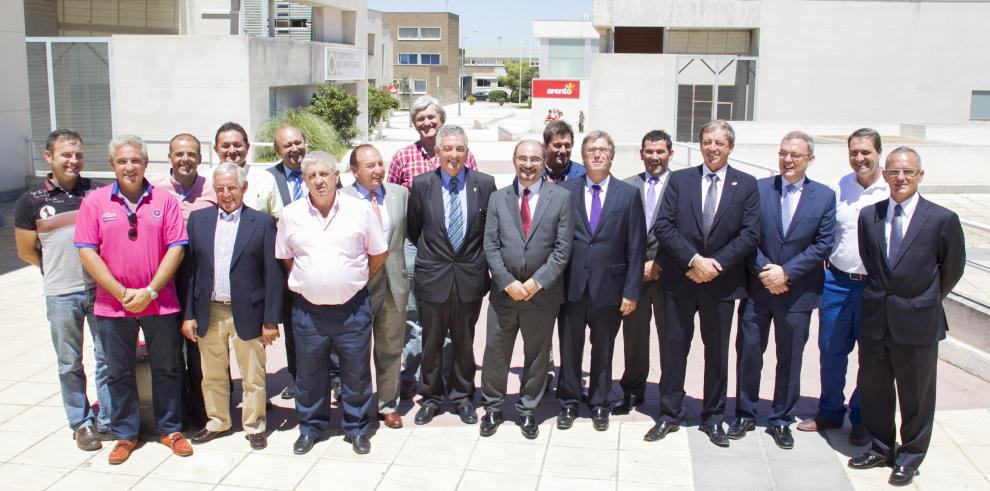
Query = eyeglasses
x=598 y=150
x=532 y=160
x=792 y=155
x=132 y=220
x=901 y=172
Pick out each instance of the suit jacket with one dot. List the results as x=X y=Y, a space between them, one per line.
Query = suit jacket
x=257 y=281
x=905 y=298
x=439 y=268
x=278 y=170
x=395 y=266
x=733 y=237
x=541 y=255
x=608 y=263
x=639 y=180
x=802 y=251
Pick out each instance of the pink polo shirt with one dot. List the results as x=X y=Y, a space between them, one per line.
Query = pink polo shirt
x=102 y=224
x=330 y=255
x=200 y=195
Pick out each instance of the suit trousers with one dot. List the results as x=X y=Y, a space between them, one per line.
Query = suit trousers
x=320 y=328
x=456 y=319
x=678 y=331
x=215 y=354
x=636 y=339
x=790 y=329
x=504 y=323
x=603 y=324
x=290 y=342
x=882 y=364
x=194 y=414
x=389 y=331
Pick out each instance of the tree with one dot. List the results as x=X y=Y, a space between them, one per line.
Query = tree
x=511 y=78
x=379 y=104
x=406 y=91
x=337 y=107
x=498 y=96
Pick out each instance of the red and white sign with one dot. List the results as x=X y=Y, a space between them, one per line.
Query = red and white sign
x=391 y=89
x=557 y=89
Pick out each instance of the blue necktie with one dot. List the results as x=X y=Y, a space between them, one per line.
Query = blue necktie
x=297 y=187
x=455 y=217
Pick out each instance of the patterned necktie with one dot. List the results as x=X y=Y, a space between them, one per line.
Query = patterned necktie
x=596 y=207
x=375 y=207
x=896 y=234
x=524 y=212
x=455 y=217
x=787 y=207
x=297 y=187
x=711 y=204
x=651 y=201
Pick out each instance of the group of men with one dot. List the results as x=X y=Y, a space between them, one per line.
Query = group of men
x=407 y=260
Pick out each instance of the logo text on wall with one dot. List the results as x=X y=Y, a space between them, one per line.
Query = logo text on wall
x=557 y=89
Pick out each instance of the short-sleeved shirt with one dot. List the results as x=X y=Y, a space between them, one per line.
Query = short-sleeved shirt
x=51 y=211
x=330 y=254
x=199 y=195
x=413 y=160
x=102 y=224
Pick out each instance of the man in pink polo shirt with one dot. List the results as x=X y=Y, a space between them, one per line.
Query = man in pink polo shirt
x=130 y=237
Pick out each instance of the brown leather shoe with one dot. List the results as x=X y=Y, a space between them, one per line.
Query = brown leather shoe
x=818 y=423
x=258 y=441
x=87 y=439
x=392 y=420
x=178 y=443
x=121 y=451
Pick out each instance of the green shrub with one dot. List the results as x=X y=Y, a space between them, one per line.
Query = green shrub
x=471 y=99
x=498 y=96
x=379 y=104
x=319 y=134
x=337 y=107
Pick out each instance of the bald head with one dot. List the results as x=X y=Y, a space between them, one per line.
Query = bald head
x=290 y=146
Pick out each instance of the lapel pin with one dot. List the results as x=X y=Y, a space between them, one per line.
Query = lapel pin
x=474 y=189
x=733 y=183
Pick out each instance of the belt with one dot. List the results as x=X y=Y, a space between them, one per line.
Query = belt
x=227 y=303
x=842 y=274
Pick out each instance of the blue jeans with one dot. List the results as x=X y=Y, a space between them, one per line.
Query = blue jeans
x=838 y=330
x=163 y=341
x=65 y=315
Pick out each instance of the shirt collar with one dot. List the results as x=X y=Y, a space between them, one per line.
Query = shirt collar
x=534 y=189
x=603 y=184
x=232 y=216
x=366 y=193
x=445 y=178
x=647 y=176
x=720 y=173
x=287 y=171
x=557 y=176
x=51 y=185
x=198 y=183
x=798 y=186
x=907 y=206
x=115 y=191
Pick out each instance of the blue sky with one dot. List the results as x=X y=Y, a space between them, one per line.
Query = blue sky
x=483 y=22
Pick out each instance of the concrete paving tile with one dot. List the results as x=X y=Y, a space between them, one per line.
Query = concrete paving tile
x=20 y=370
x=979 y=455
x=509 y=433
x=29 y=393
x=747 y=473
x=141 y=462
x=354 y=476
x=404 y=478
x=514 y=458
x=584 y=463
x=966 y=458
x=823 y=475
x=702 y=448
x=56 y=450
x=209 y=466
x=459 y=431
x=8 y=411
x=647 y=486
x=964 y=427
x=53 y=401
x=151 y=484
x=553 y=483
x=15 y=442
x=385 y=446
x=938 y=479
x=76 y=480
x=872 y=479
x=270 y=471
x=29 y=477
x=672 y=468
x=40 y=419
x=584 y=435
x=808 y=447
x=491 y=481
x=435 y=452
x=631 y=438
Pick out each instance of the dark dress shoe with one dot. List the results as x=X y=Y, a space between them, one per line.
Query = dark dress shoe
x=781 y=436
x=361 y=444
x=566 y=418
x=599 y=418
x=303 y=444
x=902 y=476
x=859 y=437
x=661 y=430
x=392 y=420
x=627 y=404
x=527 y=424
x=425 y=414
x=205 y=435
x=490 y=423
x=716 y=434
x=289 y=392
x=467 y=414
x=867 y=460
x=258 y=441
x=740 y=427
x=87 y=439
x=407 y=390
x=818 y=423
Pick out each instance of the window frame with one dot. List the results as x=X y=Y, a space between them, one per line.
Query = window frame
x=419 y=33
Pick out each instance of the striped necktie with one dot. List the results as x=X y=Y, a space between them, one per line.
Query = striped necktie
x=455 y=216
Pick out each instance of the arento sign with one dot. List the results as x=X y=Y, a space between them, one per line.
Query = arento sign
x=557 y=89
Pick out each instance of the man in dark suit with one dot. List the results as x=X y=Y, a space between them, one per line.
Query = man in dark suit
x=797 y=225
x=655 y=150
x=446 y=221
x=708 y=224
x=234 y=291
x=914 y=252
x=603 y=279
x=528 y=236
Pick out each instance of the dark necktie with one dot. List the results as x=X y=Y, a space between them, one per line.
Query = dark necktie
x=524 y=212
x=896 y=234
x=711 y=204
x=455 y=218
x=596 y=207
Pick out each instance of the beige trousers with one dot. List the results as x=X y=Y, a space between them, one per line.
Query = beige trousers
x=214 y=349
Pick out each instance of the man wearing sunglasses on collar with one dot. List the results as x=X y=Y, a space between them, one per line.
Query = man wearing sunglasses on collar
x=130 y=237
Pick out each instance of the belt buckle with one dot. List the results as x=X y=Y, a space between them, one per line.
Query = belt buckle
x=857 y=276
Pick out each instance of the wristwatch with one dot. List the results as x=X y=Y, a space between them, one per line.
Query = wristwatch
x=152 y=292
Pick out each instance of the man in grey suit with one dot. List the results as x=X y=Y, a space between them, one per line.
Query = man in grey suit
x=389 y=289
x=655 y=150
x=527 y=243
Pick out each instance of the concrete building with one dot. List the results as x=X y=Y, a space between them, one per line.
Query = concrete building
x=564 y=85
x=15 y=117
x=486 y=65
x=427 y=52
x=380 y=51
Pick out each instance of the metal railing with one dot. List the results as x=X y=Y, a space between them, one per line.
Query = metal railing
x=693 y=147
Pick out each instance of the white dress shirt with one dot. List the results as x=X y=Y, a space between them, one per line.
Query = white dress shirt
x=706 y=181
x=907 y=207
x=588 y=193
x=223 y=250
x=851 y=198
x=534 y=196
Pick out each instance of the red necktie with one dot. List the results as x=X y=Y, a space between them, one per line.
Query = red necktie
x=524 y=212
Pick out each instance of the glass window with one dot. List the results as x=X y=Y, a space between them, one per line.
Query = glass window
x=429 y=58
x=408 y=33
x=429 y=33
x=408 y=59
x=716 y=42
x=483 y=82
x=419 y=86
x=980 y=107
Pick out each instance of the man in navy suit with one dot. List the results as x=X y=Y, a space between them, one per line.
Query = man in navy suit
x=603 y=279
x=708 y=224
x=797 y=225
x=234 y=289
